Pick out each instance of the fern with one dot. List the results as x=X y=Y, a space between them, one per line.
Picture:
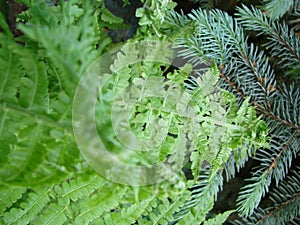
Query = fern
x=130 y=214
x=29 y=209
x=43 y=177
x=9 y=196
x=219 y=219
x=19 y=104
x=52 y=204
x=246 y=71
x=203 y=195
x=105 y=201
x=78 y=188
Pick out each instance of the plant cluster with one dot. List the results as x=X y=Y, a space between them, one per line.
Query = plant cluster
x=240 y=112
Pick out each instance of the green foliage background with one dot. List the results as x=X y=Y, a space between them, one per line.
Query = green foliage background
x=45 y=180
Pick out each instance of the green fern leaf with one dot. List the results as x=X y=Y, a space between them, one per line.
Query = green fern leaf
x=105 y=199
x=36 y=81
x=55 y=214
x=167 y=209
x=204 y=193
x=78 y=188
x=219 y=219
x=8 y=196
x=107 y=16
x=38 y=149
x=29 y=208
x=11 y=71
x=67 y=195
x=128 y=215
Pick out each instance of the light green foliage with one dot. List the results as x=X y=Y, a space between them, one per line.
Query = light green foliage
x=28 y=209
x=203 y=195
x=28 y=130
x=9 y=196
x=129 y=215
x=152 y=15
x=43 y=177
x=219 y=219
x=246 y=71
x=222 y=132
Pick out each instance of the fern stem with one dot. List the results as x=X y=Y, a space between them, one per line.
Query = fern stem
x=7 y=73
x=3 y=118
x=42 y=118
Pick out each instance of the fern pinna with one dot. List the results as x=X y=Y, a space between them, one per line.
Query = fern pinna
x=45 y=180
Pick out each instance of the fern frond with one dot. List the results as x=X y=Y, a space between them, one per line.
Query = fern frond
x=11 y=70
x=166 y=209
x=36 y=81
x=76 y=189
x=29 y=208
x=245 y=71
x=219 y=219
x=8 y=196
x=65 y=42
x=67 y=197
x=108 y=17
x=104 y=200
x=38 y=88
x=51 y=205
x=38 y=149
x=129 y=215
x=204 y=193
x=54 y=214
x=5 y=26
x=16 y=102
x=35 y=127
